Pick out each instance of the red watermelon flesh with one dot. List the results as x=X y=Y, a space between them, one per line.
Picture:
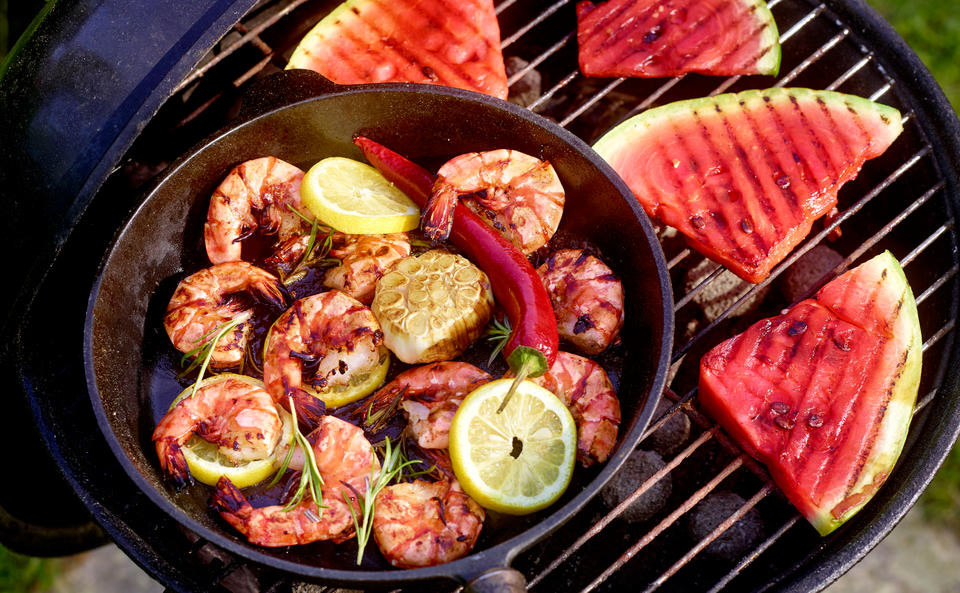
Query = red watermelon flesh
x=662 y=38
x=446 y=42
x=744 y=176
x=823 y=394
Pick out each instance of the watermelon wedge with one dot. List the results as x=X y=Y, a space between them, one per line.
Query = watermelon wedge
x=662 y=38
x=445 y=42
x=823 y=394
x=744 y=176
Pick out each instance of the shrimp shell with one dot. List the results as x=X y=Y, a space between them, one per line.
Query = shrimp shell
x=586 y=390
x=256 y=196
x=206 y=300
x=587 y=299
x=346 y=462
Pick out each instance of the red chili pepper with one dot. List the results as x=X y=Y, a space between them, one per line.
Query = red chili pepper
x=533 y=342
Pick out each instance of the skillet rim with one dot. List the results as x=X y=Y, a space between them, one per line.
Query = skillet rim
x=304 y=87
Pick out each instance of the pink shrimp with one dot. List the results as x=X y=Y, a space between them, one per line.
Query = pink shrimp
x=584 y=387
x=429 y=396
x=347 y=463
x=235 y=413
x=208 y=299
x=336 y=336
x=587 y=299
x=363 y=260
x=424 y=523
x=517 y=194
x=255 y=197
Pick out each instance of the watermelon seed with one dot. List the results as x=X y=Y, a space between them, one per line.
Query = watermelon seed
x=783 y=182
x=814 y=421
x=780 y=407
x=654 y=33
x=746 y=226
x=796 y=328
x=697 y=222
x=784 y=422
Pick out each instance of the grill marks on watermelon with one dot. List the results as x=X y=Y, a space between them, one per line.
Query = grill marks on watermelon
x=661 y=38
x=744 y=176
x=426 y=41
x=823 y=393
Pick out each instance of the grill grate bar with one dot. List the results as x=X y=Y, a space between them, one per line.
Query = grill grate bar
x=593 y=100
x=616 y=511
x=717 y=532
x=798 y=253
x=747 y=560
x=505 y=43
x=850 y=72
x=940 y=282
x=244 y=39
x=539 y=59
x=554 y=90
x=667 y=521
x=946 y=227
x=813 y=58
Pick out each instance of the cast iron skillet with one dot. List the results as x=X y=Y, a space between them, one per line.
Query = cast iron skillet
x=301 y=117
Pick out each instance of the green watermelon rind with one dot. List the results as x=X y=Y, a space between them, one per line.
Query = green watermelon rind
x=899 y=412
x=625 y=133
x=769 y=64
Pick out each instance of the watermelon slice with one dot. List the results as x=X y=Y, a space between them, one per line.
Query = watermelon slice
x=744 y=176
x=428 y=41
x=823 y=394
x=661 y=38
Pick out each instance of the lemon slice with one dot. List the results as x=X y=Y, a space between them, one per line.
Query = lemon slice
x=355 y=198
x=207 y=464
x=519 y=460
x=359 y=386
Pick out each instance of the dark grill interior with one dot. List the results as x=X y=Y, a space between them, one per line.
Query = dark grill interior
x=899 y=202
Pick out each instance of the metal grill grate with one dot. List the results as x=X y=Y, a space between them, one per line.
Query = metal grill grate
x=899 y=202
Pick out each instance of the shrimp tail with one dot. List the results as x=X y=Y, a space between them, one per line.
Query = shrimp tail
x=437 y=219
x=270 y=290
x=231 y=504
x=174 y=464
x=309 y=409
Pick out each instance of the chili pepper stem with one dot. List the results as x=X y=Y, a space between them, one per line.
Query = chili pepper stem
x=525 y=362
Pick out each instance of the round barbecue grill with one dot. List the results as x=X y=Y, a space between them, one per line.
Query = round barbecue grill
x=96 y=107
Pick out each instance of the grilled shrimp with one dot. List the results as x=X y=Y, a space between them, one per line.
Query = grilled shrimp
x=346 y=462
x=587 y=299
x=213 y=297
x=256 y=196
x=423 y=523
x=235 y=413
x=363 y=260
x=429 y=396
x=586 y=390
x=336 y=337
x=517 y=194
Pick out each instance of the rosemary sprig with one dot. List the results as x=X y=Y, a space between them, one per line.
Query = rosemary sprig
x=310 y=478
x=313 y=254
x=204 y=352
x=498 y=332
x=392 y=466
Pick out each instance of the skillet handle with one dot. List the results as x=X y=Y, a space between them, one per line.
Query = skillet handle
x=498 y=580
x=283 y=88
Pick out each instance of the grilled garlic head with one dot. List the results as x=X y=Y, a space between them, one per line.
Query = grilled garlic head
x=431 y=307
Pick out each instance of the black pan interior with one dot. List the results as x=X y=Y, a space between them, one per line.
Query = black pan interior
x=131 y=368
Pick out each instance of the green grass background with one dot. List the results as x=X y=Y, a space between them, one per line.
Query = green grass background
x=931 y=27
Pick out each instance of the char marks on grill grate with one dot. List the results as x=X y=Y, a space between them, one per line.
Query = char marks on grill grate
x=899 y=202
